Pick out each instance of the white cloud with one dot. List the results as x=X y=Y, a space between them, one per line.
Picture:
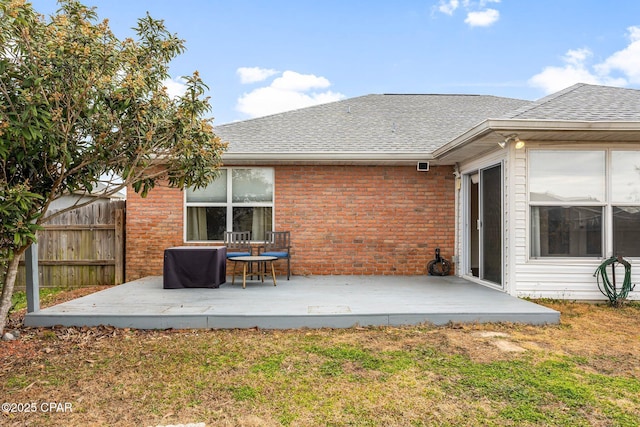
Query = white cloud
x=448 y=7
x=553 y=79
x=483 y=18
x=290 y=91
x=292 y=81
x=620 y=69
x=577 y=57
x=626 y=61
x=254 y=74
x=175 y=87
x=477 y=13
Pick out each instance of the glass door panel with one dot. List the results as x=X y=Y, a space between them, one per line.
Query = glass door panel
x=490 y=224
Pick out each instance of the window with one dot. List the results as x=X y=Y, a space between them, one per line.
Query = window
x=566 y=195
x=571 y=195
x=241 y=199
x=626 y=231
x=625 y=198
x=566 y=231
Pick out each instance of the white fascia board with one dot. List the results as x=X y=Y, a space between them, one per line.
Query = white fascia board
x=338 y=157
x=464 y=139
x=514 y=125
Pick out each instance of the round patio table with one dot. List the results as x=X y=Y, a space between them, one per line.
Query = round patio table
x=261 y=262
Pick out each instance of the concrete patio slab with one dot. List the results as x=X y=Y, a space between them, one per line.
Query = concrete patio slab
x=311 y=302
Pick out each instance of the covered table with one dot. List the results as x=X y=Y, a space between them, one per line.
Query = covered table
x=194 y=267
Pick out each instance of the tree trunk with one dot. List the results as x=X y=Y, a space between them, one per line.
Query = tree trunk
x=7 y=288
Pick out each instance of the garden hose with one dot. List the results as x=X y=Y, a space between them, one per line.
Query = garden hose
x=438 y=266
x=609 y=289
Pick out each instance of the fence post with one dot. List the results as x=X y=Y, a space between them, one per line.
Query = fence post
x=119 y=247
x=32 y=280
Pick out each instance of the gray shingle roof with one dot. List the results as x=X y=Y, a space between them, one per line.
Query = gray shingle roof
x=392 y=123
x=368 y=124
x=584 y=102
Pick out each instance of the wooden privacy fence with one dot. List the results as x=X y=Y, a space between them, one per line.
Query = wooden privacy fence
x=83 y=247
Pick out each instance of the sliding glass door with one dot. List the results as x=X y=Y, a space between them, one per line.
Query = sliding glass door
x=485 y=224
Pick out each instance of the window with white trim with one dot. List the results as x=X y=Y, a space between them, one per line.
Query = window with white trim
x=580 y=198
x=241 y=199
x=625 y=201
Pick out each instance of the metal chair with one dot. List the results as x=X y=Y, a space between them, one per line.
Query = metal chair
x=238 y=243
x=277 y=244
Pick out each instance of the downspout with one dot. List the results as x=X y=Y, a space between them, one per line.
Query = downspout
x=456 y=240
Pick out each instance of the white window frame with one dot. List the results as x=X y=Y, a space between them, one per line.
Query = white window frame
x=613 y=203
x=230 y=204
x=607 y=205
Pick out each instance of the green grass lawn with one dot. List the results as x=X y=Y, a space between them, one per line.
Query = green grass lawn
x=583 y=372
x=19 y=298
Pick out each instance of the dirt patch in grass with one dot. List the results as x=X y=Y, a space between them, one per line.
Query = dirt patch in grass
x=584 y=371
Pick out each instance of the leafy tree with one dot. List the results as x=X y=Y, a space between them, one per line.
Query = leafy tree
x=78 y=104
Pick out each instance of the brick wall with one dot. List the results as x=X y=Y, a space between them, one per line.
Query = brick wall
x=154 y=223
x=343 y=220
x=365 y=219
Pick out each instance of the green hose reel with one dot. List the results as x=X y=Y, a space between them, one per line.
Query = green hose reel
x=609 y=287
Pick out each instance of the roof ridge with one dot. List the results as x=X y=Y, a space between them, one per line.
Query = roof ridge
x=356 y=98
x=433 y=94
x=544 y=100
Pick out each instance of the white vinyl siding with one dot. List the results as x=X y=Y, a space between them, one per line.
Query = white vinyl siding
x=565 y=278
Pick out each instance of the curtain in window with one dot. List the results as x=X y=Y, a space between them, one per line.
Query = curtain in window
x=254 y=219
x=535 y=231
x=196 y=224
x=258 y=226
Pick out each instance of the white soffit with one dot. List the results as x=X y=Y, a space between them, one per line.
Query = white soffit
x=487 y=134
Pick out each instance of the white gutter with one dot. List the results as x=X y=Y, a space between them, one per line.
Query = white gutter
x=326 y=157
x=513 y=125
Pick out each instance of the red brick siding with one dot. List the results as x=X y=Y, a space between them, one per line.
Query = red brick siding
x=343 y=220
x=365 y=219
x=154 y=223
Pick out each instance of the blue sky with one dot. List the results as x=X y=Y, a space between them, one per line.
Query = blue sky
x=264 y=57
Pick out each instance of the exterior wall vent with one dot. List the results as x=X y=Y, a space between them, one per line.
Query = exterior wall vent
x=423 y=166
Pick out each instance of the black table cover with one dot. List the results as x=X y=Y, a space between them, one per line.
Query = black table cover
x=194 y=267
